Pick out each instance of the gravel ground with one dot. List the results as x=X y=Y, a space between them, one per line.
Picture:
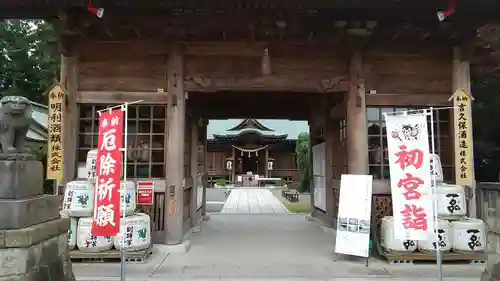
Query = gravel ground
x=216 y=197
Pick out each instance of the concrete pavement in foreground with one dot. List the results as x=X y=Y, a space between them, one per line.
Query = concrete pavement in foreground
x=267 y=247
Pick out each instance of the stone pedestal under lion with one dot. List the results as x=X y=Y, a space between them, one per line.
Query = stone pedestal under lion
x=33 y=237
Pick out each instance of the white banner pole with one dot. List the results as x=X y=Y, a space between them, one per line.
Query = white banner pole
x=434 y=199
x=124 y=108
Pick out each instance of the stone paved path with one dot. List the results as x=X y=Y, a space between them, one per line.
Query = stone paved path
x=253 y=201
x=267 y=247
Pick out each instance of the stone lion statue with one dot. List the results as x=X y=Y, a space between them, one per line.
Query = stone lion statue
x=15 y=117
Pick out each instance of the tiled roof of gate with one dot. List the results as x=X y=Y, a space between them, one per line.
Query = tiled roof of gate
x=280 y=127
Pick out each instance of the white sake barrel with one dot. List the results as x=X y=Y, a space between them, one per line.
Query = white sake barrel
x=91 y=165
x=137 y=233
x=89 y=243
x=389 y=242
x=79 y=199
x=443 y=235
x=436 y=167
x=468 y=235
x=72 y=233
x=130 y=196
x=451 y=201
x=73 y=226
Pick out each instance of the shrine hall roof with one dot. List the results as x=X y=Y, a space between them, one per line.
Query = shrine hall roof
x=291 y=129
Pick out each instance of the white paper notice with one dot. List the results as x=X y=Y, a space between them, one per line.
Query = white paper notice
x=353 y=222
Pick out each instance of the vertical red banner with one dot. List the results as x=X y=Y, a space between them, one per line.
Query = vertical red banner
x=106 y=221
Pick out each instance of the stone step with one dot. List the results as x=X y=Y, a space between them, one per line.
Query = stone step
x=47 y=260
x=32 y=235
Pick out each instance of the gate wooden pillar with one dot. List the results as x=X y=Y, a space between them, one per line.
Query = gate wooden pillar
x=193 y=126
x=69 y=80
x=202 y=164
x=463 y=140
x=357 y=127
x=176 y=119
x=321 y=131
x=329 y=135
x=313 y=136
x=232 y=173
x=266 y=165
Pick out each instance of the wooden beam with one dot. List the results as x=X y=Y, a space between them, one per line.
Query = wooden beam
x=91 y=50
x=407 y=100
x=239 y=110
x=112 y=97
x=238 y=48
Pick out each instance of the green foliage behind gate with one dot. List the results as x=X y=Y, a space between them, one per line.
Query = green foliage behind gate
x=302 y=151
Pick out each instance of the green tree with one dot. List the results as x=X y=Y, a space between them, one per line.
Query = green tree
x=29 y=65
x=303 y=161
x=28 y=62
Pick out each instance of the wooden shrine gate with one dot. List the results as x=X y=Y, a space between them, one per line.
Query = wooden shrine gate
x=337 y=64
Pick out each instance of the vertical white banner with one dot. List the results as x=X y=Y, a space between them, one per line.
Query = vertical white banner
x=409 y=164
x=353 y=221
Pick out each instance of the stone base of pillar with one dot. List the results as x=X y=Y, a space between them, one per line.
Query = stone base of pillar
x=196 y=229
x=39 y=252
x=311 y=218
x=183 y=247
x=33 y=239
x=492 y=270
x=15 y=214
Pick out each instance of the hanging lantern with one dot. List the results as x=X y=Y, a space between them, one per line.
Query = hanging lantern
x=229 y=164
x=143 y=151
x=270 y=165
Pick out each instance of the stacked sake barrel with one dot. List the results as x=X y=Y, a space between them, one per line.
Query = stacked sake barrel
x=79 y=200
x=455 y=232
